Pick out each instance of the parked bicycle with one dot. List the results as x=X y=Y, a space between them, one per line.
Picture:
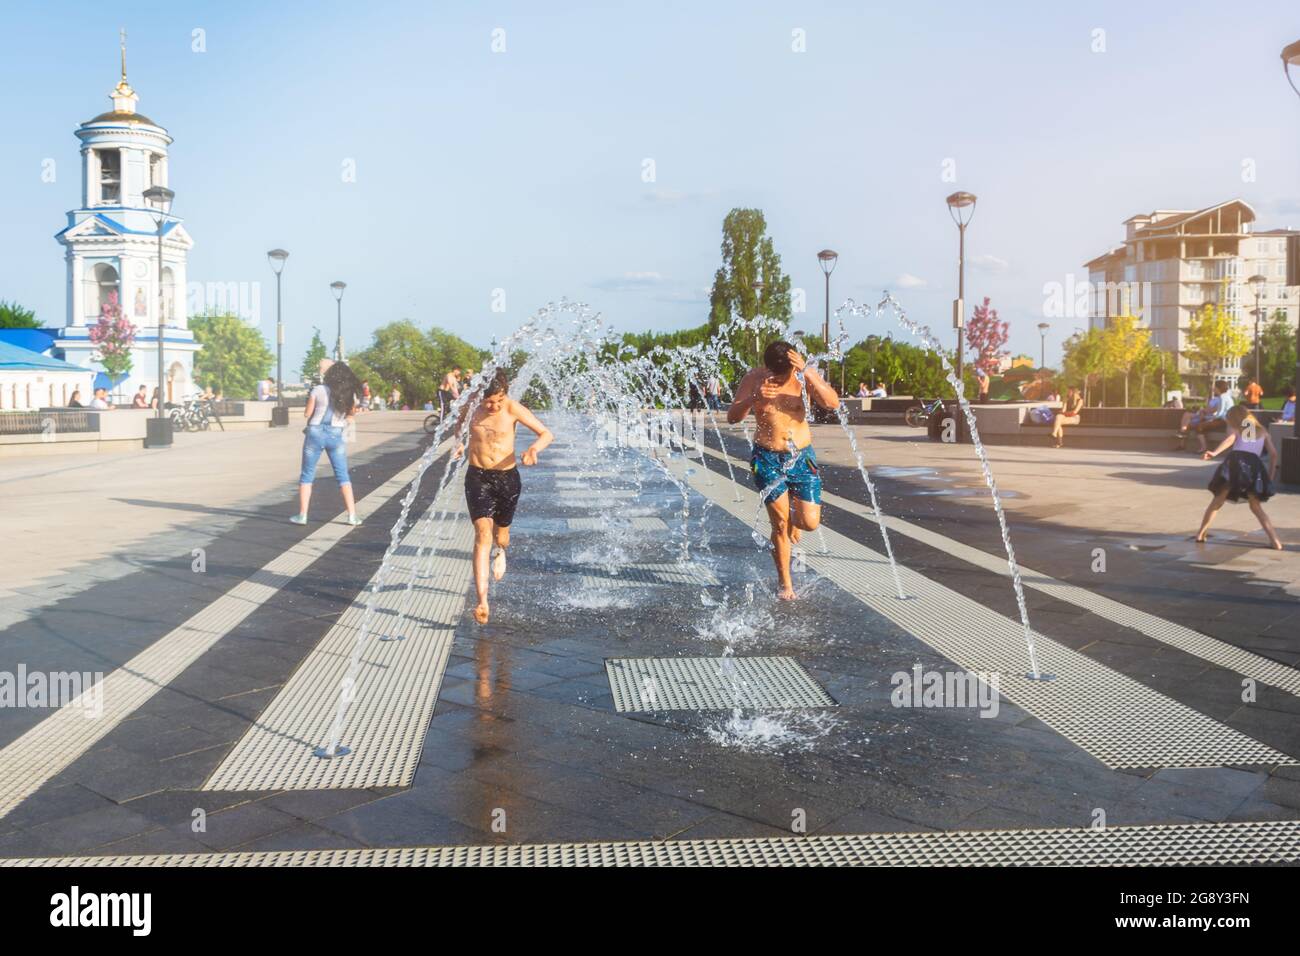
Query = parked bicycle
x=194 y=414
x=919 y=415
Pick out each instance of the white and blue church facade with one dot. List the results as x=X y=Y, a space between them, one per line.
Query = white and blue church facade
x=111 y=250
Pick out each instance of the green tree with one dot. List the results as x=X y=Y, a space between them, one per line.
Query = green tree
x=14 y=316
x=748 y=255
x=903 y=368
x=311 y=362
x=1214 y=338
x=1122 y=343
x=1157 y=372
x=401 y=356
x=1277 y=355
x=1084 y=359
x=234 y=357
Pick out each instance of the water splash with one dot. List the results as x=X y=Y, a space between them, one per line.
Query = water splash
x=932 y=344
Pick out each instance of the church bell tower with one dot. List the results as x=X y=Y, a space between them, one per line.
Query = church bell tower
x=111 y=248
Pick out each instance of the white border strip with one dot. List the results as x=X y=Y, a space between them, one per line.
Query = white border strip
x=1191 y=844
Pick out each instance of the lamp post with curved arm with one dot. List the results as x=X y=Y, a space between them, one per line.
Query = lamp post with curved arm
x=961 y=205
x=279 y=414
x=338 y=288
x=158 y=430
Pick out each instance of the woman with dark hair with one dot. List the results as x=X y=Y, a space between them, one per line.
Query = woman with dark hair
x=331 y=407
x=1243 y=476
x=1069 y=415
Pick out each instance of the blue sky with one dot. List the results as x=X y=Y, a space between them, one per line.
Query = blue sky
x=523 y=170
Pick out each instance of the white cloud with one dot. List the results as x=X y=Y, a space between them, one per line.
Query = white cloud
x=663 y=288
x=630 y=281
x=988 y=263
x=664 y=196
x=909 y=281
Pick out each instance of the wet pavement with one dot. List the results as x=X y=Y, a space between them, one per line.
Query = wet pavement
x=525 y=744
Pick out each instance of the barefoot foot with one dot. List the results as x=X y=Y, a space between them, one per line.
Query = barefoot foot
x=481 y=613
x=786 y=594
x=498 y=564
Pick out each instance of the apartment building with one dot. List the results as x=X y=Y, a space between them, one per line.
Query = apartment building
x=1172 y=262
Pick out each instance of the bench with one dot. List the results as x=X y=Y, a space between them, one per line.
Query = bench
x=1150 y=429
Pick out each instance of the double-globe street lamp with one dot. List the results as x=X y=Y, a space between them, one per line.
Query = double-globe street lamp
x=158 y=430
x=1291 y=445
x=279 y=414
x=338 y=288
x=961 y=206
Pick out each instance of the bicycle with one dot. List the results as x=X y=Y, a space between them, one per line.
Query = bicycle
x=194 y=414
x=918 y=416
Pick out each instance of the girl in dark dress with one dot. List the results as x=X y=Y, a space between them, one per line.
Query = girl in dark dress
x=1243 y=476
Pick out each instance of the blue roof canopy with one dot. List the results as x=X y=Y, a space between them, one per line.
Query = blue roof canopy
x=14 y=358
x=37 y=340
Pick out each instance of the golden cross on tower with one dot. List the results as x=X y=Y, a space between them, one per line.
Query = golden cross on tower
x=122 y=32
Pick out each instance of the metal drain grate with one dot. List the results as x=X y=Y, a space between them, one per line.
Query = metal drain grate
x=617 y=524
x=641 y=575
x=656 y=684
x=395 y=693
x=625 y=485
x=1120 y=721
x=593 y=473
x=1192 y=844
x=594 y=496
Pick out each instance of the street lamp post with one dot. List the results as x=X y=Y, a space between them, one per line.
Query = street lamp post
x=1291 y=445
x=827 y=259
x=158 y=430
x=1257 y=282
x=961 y=205
x=1042 y=335
x=279 y=414
x=338 y=288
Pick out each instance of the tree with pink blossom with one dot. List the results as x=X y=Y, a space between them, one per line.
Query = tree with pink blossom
x=987 y=335
x=113 y=335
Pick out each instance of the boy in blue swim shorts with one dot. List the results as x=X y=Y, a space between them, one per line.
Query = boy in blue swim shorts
x=784 y=464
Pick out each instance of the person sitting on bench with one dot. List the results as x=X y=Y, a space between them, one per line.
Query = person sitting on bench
x=1202 y=421
x=1069 y=415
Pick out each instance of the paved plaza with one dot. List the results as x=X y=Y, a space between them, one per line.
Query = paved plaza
x=595 y=711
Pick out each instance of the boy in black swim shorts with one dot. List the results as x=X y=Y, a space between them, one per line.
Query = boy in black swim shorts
x=492 y=483
x=492 y=493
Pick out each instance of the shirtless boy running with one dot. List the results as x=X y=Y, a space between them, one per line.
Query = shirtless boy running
x=492 y=480
x=784 y=464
